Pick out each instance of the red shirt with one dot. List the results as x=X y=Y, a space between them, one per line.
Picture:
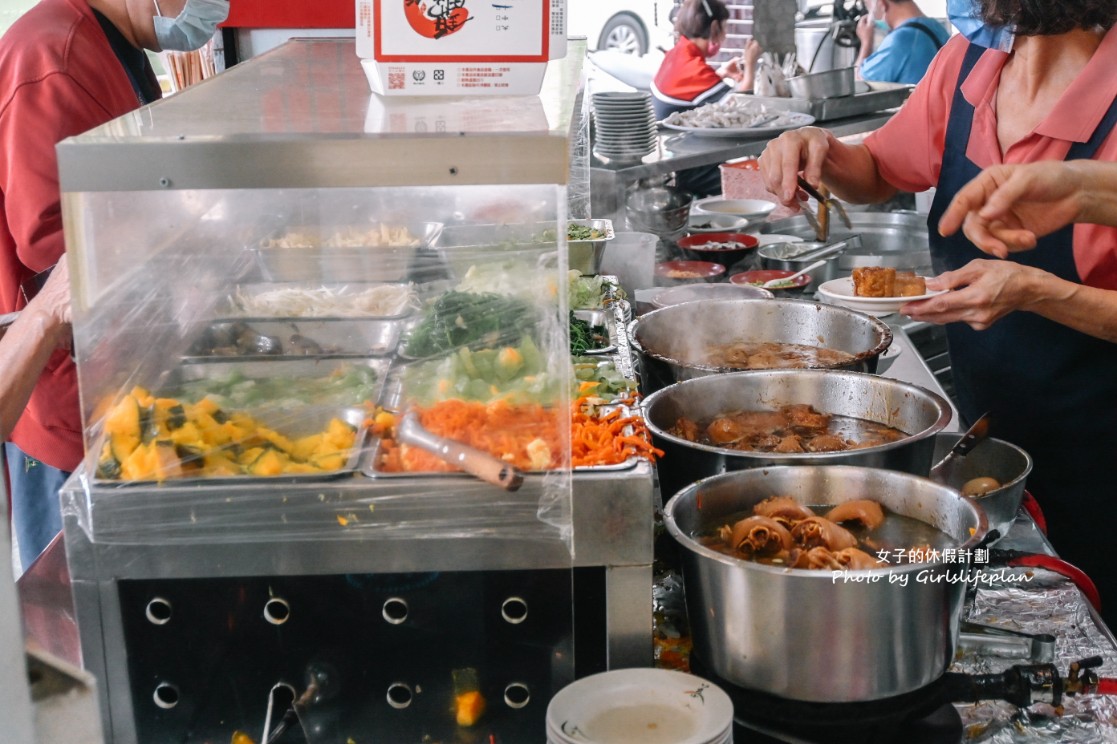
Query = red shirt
x=908 y=149
x=59 y=77
x=685 y=79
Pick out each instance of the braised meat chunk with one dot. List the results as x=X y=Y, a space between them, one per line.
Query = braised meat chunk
x=792 y=429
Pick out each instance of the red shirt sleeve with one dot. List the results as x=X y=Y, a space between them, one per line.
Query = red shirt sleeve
x=908 y=148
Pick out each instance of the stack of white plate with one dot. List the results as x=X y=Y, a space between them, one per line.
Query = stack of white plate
x=624 y=123
x=650 y=706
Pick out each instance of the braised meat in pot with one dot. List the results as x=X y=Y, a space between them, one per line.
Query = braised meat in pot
x=792 y=428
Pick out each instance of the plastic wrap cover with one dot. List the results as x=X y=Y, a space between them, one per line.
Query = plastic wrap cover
x=245 y=358
x=1044 y=603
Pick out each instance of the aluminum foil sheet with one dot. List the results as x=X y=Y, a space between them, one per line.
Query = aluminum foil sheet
x=1040 y=602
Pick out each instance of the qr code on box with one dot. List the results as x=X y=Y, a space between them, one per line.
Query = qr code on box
x=397 y=79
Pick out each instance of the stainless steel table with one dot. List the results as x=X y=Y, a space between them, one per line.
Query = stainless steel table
x=675 y=151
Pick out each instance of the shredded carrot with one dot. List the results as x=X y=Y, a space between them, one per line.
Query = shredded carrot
x=524 y=435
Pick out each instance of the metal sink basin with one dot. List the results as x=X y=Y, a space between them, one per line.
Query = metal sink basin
x=897 y=239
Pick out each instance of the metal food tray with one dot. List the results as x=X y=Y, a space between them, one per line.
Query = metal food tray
x=622 y=316
x=306 y=368
x=533 y=234
x=319 y=263
x=584 y=255
x=600 y=319
x=879 y=97
x=368 y=467
x=342 y=288
x=333 y=337
x=355 y=417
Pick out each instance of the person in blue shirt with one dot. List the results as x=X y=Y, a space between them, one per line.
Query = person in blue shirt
x=912 y=41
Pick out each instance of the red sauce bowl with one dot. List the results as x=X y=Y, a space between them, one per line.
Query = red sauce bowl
x=702 y=247
x=759 y=276
x=689 y=271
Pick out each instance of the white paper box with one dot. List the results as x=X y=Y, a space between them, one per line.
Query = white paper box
x=459 y=47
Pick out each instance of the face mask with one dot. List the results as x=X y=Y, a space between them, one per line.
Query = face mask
x=194 y=26
x=713 y=49
x=882 y=26
x=965 y=15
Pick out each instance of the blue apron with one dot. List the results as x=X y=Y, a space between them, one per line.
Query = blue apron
x=1051 y=390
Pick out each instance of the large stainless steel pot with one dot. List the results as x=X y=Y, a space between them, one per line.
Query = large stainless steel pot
x=818 y=635
x=911 y=409
x=896 y=239
x=672 y=341
x=992 y=458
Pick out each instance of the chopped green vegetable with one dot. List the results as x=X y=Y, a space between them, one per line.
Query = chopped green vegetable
x=583 y=232
x=348 y=385
x=600 y=377
x=585 y=337
x=458 y=319
x=514 y=372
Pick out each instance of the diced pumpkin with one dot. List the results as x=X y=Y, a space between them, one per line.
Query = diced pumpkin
x=108 y=466
x=305 y=447
x=152 y=461
x=339 y=435
x=124 y=418
x=271 y=462
x=332 y=461
x=167 y=415
x=469 y=707
x=220 y=463
x=206 y=406
x=188 y=434
x=142 y=396
x=275 y=438
x=158 y=438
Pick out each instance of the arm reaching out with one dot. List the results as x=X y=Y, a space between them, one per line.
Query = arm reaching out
x=1007 y=207
x=849 y=171
x=42 y=327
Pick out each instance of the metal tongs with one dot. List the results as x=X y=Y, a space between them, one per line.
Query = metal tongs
x=821 y=223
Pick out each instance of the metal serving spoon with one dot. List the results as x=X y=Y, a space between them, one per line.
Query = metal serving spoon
x=792 y=277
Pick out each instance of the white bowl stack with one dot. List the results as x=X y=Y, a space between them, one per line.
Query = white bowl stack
x=650 y=706
x=625 y=125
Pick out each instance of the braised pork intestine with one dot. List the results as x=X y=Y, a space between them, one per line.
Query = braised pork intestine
x=781 y=531
x=770 y=355
x=792 y=429
x=854 y=535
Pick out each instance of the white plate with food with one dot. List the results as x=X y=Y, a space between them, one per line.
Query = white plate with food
x=840 y=292
x=785 y=121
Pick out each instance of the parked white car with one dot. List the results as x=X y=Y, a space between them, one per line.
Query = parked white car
x=630 y=26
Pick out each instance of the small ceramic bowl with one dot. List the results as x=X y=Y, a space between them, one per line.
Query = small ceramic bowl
x=752 y=209
x=755 y=278
x=713 y=223
x=684 y=272
x=725 y=248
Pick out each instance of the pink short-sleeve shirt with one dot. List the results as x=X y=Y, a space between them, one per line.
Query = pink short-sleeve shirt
x=908 y=149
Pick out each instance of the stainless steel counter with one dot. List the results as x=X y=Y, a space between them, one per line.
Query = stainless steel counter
x=675 y=151
x=1039 y=602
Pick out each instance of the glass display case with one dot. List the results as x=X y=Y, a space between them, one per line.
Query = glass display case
x=300 y=311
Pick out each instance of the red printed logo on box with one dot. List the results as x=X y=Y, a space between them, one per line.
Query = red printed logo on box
x=436 y=18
